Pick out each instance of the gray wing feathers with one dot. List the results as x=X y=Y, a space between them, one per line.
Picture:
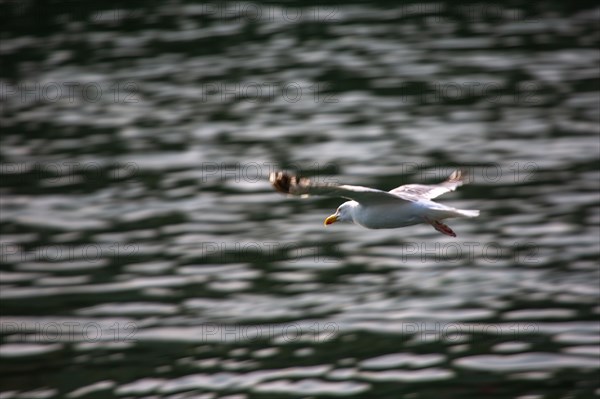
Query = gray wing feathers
x=430 y=191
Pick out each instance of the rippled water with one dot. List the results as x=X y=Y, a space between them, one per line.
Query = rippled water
x=144 y=253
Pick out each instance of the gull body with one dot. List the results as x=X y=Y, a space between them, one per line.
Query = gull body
x=391 y=216
x=376 y=209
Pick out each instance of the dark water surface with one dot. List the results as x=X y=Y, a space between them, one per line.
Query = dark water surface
x=144 y=254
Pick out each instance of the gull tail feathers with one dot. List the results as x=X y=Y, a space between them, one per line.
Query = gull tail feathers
x=469 y=213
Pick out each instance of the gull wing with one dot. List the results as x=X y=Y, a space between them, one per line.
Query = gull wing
x=302 y=186
x=429 y=191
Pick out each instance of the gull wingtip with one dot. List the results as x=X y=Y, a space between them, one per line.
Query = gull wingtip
x=281 y=181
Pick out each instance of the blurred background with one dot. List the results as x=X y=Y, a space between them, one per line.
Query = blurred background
x=145 y=255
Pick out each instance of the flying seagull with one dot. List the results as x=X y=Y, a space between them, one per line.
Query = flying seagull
x=376 y=209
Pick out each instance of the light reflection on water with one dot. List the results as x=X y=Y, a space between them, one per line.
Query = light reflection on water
x=144 y=252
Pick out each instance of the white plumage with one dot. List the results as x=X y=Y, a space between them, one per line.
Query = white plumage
x=376 y=209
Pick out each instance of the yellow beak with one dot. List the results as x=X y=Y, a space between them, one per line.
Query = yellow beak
x=331 y=219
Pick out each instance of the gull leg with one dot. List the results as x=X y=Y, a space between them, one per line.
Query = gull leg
x=441 y=227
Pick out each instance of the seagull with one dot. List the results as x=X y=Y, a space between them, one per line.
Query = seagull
x=403 y=206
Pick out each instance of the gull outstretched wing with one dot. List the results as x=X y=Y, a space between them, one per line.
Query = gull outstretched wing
x=294 y=185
